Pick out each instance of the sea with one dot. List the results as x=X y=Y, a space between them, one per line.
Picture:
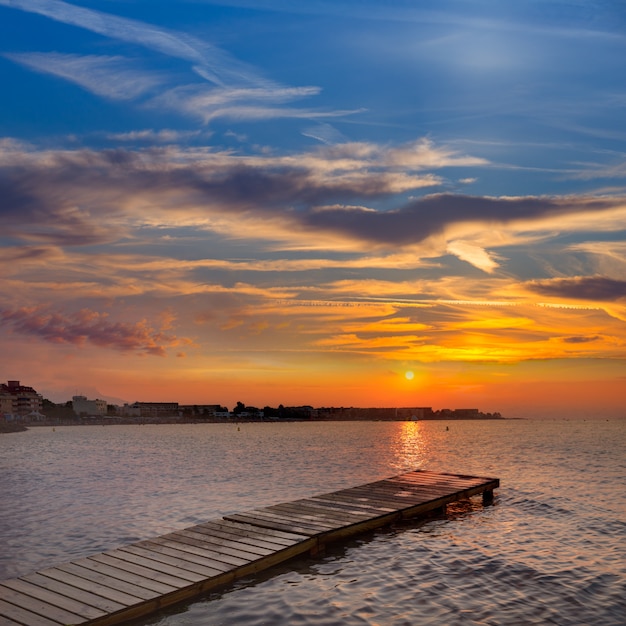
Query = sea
x=551 y=549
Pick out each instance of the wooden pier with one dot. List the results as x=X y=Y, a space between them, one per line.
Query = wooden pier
x=144 y=577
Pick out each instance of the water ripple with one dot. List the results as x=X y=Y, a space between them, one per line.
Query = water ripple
x=552 y=549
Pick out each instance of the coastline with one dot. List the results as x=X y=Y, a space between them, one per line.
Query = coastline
x=7 y=427
x=115 y=421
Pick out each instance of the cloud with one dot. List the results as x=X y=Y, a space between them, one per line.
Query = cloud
x=212 y=61
x=24 y=254
x=585 y=339
x=59 y=195
x=236 y=103
x=108 y=76
x=606 y=258
x=594 y=288
x=424 y=217
x=89 y=327
x=238 y=91
x=325 y=198
x=324 y=133
x=473 y=254
x=40 y=202
x=152 y=136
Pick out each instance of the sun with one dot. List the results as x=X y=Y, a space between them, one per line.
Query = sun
x=409 y=375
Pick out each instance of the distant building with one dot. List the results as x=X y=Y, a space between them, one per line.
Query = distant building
x=201 y=410
x=129 y=410
x=466 y=413
x=84 y=407
x=153 y=409
x=8 y=405
x=374 y=413
x=24 y=401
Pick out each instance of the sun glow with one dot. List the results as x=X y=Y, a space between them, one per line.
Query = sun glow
x=409 y=375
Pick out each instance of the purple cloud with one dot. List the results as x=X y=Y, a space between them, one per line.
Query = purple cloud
x=581 y=288
x=579 y=339
x=75 y=198
x=86 y=326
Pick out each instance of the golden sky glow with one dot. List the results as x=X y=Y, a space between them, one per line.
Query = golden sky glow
x=203 y=224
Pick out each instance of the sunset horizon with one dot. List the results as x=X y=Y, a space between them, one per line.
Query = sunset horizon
x=333 y=204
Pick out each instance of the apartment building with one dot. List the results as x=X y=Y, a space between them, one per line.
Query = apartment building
x=22 y=399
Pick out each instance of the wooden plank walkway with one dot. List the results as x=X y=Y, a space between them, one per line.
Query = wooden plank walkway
x=144 y=577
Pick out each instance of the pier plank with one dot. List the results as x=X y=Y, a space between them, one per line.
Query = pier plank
x=108 y=581
x=114 y=572
x=331 y=514
x=353 y=503
x=56 y=599
x=138 y=579
x=236 y=557
x=219 y=561
x=164 y=548
x=40 y=607
x=63 y=589
x=278 y=536
x=300 y=515
x=272 y=522
x=376 y=499
x=396 y=496
x=128 y=557
x=256 y=541
x=226 y=546
x=183 y=563
x=338 y=508
x=120 y=597
x=146 y=572
x=11 y=614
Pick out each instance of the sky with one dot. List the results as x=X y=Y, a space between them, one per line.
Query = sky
x=327 y=203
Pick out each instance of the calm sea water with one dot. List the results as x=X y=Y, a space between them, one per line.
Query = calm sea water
x=551 y=550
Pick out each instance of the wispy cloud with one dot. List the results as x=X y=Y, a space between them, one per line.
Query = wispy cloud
x=216 y=63
x=238 y=91
x=153 y=136
x=325 y=133
x=208 y=103
x=110 y=77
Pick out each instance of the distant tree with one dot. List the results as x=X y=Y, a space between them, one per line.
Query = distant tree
x=54 y=411
x=240 y=408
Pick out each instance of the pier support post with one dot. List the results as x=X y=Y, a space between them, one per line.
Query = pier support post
x=487 y=498
x=318 y=549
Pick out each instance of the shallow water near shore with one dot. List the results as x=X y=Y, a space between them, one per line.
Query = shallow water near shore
x=551 y=550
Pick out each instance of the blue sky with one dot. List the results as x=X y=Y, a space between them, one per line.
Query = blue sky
x=269 y=193
x=535 y=87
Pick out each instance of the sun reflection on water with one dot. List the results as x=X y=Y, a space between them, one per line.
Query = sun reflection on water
x=412 y=445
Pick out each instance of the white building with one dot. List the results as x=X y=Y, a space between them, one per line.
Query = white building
x=83 y=406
